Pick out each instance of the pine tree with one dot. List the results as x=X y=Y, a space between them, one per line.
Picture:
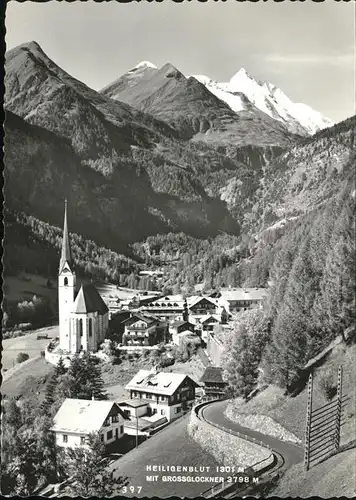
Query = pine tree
x=83 y=379
x=335 y=307
x=60 y=368
x=294 y=338
x=52 y=394
x=242 y=365
x=88 y=470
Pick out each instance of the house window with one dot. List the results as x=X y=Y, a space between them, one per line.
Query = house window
x=121 y=429
x=65 y=438
x=107 y=422
x=179 y=409
x=90 y=327
x=109 y=435
x=65 y=281
x=162 y=412
x=82 y=439
x=115 y=419
x=81 y=327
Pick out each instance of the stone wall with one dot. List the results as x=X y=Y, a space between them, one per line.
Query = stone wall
x=227 y=449
x=261 y=423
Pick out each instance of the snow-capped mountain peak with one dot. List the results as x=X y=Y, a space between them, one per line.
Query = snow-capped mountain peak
x=241 y=75
x=145 y=64
x=298 y=118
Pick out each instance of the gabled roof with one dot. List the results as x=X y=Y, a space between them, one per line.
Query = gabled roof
x=212 y=374
x=244 y=294
x=165 y=383
x=192 y=301
x=66 y=254
x=209 y=316
x=83 y=416
x=88 y=300
x=142 y=317
x=180 y=323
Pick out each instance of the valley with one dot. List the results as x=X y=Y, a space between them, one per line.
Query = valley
x=208 y=229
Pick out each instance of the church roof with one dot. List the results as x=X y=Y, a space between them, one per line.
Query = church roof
x=89 y=300
x=66 y=255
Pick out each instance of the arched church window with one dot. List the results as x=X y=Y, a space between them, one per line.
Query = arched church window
x=81 y=327
x=65 y=281
x=90 y=327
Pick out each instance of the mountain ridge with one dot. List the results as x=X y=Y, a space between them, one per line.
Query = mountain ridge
x=298 y=117
x=193 y=110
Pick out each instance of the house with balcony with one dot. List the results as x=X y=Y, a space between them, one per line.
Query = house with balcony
x=213 y=383
x=168 y=308
x=77 y=418
x=144 y=330
x=198 y=307
x=207 y=324
x=166 y=394
x=240 y=299
x=178 y=326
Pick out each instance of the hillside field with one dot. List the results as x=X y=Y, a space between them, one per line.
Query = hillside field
x=26 y=343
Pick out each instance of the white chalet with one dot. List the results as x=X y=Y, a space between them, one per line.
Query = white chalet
x=164 y=393
x=239 y=299
x=77 y=418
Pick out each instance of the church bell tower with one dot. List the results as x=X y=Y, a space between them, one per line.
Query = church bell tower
x=66 y=287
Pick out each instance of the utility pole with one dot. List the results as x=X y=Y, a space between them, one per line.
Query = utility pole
x=339 y=408
x=308 y=423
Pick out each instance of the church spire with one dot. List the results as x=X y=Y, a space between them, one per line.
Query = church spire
x=66 y=255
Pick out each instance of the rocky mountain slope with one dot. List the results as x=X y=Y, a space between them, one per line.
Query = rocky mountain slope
x=106 y=157
x=195 y=112
x=305 y=177
x=296 y=117
x=176 y=164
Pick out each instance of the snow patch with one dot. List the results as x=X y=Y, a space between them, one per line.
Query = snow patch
x=269 y=99
x=145 y=64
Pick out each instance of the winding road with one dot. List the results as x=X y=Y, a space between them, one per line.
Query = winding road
x=292 y=453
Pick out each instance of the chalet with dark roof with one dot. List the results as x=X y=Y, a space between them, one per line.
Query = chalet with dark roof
x=214 y=384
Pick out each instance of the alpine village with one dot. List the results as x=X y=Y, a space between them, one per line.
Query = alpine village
x=179 y=288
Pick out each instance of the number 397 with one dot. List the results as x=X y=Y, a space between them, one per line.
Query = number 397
x=131 y=489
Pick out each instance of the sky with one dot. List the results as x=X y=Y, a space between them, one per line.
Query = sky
x=307 y=49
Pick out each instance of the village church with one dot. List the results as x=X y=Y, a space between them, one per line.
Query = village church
x=83 y=315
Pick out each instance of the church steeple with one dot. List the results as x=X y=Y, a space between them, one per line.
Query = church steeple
x=66 y=255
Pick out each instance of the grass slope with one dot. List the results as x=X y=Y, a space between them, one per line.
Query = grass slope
x=28 y=380
x=335 y=477
x=290 y=412
x=28 y=344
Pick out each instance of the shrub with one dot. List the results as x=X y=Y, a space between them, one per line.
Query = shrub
x=166 y=361
x=21 y=357
x=327 y=384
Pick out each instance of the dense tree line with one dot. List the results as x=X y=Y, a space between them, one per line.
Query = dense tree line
x=34 y=246
x=224 y=261
x=311 y=298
